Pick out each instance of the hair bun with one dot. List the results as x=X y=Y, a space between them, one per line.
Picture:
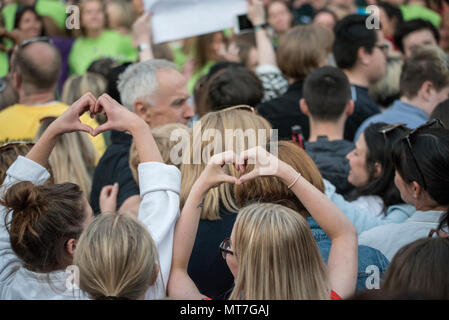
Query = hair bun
x=22 y=196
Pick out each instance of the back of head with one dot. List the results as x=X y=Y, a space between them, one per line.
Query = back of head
x=277 y=256
x=351 y=34
x=327 y=92
x=407 y=27
x=116 y=257
x=77 y=85
x=273 y=190
x=103 y=66
x=171 y=139
x=139 y=81
x=392 y=11
x=430 y=148
x=232 y=86
x=427 y=63
x=237 y=128
x=379 y=152
x=72 y=158
x=40 y=221
x=420 y=267
x=441 y=112
x=295 y=59
x=38 y=64
x=9 y=153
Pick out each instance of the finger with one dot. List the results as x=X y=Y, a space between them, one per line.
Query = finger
x=102 y=128
x=249 y=176
x=114 y=191
x=105 y=191
x=229 y=179
x=85 y=128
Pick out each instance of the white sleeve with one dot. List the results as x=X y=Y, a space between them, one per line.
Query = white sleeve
x=160 y=186
x=23 y=169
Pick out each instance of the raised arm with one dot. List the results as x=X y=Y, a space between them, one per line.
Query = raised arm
x=256 y=14
x=342 y=262
x=180 y=285
x=141 y=32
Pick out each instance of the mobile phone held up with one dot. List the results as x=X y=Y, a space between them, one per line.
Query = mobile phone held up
x=242 y=24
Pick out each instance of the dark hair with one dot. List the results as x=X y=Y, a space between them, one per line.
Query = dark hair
x=420 y=266
x=379 y=150
x=431 y=151
x=21 y=10
x=103 y=66
x=441 y=112
x=351 y=34
x=228 y=87
x=40 y=221
x=327 y=92
x=391 y=11
x=426 y=63
x=407 y=27
x=39 y=76
x=324 y=10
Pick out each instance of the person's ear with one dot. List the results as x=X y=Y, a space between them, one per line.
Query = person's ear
x=143 y=110
x=416 y=190
x=303 y=107
x=349 y=108
x=16 y=81
x=377 y=169
x=363 y=56
x=426 y=89
x=71 y=246
x=156 y=272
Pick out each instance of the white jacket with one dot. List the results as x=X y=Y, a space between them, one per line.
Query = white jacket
x=159 y=210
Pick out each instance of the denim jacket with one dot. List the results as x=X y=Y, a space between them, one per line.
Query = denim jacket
x=368 y=258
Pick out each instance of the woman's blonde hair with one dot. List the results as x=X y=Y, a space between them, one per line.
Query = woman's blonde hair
x=116 y=257
x=77 y=85
x=303 y=49
x=162 y=135
x=126 y=16
x=273 y=190
x=277 y=256
x=238 y=121
x=72 y=159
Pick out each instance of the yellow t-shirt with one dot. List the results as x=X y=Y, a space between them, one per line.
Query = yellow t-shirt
x=21 y=122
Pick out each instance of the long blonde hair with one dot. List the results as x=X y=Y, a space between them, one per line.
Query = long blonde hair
x=278 y=257
x=234 y=118
x=72 y=157
x=116 y=257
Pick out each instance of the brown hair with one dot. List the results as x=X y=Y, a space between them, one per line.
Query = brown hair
x=302 y=49
x=40 y=221
x=203 y=51
x=427 y=63
x=420 y=267
x=273 y=190
x=9 y=154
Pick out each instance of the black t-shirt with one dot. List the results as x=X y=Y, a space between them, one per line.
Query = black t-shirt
x=364 y=107
x=207 y=268
x=283 y=112
x=114 y=167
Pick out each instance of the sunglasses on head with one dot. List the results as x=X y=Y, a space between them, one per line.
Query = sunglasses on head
x=385 y=130
x=408 y=140
x=12 y=144
x=242 y=107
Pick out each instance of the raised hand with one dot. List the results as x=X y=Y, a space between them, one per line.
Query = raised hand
x=119 y=117
x=213 y=175
x=69 y=121
x=256 y=12
x=265 y=164
x=108 y=198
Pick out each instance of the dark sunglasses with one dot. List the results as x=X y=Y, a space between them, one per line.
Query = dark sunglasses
x=408 y=141
x=391 y=127
x=12 y=144
x=384 y=47
x=224 y=248
x=439 y=234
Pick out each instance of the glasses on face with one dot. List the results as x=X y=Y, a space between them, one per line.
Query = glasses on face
x=439 y=234
x=224 y=248
x=384 y=47
x=391 y=127
x=408 y=137
x=12 y=144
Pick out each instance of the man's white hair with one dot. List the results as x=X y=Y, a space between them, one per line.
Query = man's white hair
x=139 y=81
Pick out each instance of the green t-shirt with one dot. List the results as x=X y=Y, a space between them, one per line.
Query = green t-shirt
x=111 y=44
x=51 y=8
x=4 y=64
x=415 y=11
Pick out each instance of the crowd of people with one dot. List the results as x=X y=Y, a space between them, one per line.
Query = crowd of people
x=305 y=159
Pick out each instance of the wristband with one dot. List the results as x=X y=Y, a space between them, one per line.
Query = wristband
x=260 y=27
x=294 y=181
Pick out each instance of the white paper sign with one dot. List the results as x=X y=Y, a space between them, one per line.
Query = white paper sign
x=178 y=19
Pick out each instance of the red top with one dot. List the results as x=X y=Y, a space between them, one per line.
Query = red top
x=335 y=296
